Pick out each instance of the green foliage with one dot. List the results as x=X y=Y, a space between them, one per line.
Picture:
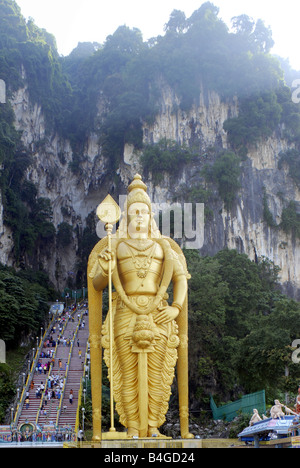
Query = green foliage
x=201 y=49
x=64 y=234
x=29 y=217
x=290 y=220
x=31 y=225
x=195 y=51
x=7 y=390
x=165 y=156
x=115 y=77
x=290 y=115
x=266 y=350
x=122 y=76
x=23 y=306
x=23 y=44
x=240 y=326
x=258 y=118
x=225 y=172
x=291 y=158
x=9 y=137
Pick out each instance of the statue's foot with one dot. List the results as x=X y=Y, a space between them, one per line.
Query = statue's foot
x=188 y=435
x=132 y=432
x=154 y=432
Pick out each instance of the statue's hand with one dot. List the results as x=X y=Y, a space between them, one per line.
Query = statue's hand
x=103 y=259
x=166 y=314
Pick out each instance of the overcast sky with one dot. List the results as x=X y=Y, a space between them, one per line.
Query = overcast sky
x=73 y=21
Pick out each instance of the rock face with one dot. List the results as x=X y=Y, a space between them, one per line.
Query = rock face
x=75 y=195
x=243 y=228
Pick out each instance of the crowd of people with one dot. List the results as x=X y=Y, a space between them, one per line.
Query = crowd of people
x=55 y=381
x=55 y=384
x=53 y=387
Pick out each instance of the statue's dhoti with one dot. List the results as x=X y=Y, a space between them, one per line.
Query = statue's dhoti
x=145 y=356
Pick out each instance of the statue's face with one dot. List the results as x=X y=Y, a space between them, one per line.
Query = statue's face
x=138 y=217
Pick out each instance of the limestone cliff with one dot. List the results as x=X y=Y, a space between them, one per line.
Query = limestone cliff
x=243 y=228
x=74 y=195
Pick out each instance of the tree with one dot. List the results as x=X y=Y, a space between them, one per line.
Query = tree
x=266 y=350
x=256 y=35
x=241 y=327
x=258 y=118
x=290 y=220
x=64 y=234
x=243 y=25
x=262 y=37
x=225 y=173
x=177 y=22
x=165 y=156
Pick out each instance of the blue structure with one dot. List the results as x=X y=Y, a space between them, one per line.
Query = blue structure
x=57 y=308
x=269 y=429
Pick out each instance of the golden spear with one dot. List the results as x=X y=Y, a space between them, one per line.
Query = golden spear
x=109 y=213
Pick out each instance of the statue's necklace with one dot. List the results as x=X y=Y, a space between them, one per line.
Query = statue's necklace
x=140 y=244
x=142 y=264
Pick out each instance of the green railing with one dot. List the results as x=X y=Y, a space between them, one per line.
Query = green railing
x=74 y=294
x=245 y=405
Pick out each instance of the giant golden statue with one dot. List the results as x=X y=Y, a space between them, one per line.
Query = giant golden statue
x=143 y=336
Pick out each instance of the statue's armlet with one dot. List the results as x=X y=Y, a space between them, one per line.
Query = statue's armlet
x=179 y=267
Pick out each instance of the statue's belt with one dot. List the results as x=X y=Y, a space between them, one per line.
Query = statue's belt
x=136 y=325
x=143 y=301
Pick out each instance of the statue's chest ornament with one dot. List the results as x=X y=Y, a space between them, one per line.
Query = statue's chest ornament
x=142 y=256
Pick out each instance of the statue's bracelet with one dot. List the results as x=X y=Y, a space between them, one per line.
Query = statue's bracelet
x=177 y=305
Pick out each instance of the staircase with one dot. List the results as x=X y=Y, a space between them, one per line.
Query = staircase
x=76 y=372
x=34 y=402
x=42 y=410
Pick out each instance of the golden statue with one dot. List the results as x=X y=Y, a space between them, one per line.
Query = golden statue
x=143 y=336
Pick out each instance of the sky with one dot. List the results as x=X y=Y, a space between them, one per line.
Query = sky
x=73 y=21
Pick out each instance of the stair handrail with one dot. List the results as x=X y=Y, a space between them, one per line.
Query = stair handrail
x=80 y=390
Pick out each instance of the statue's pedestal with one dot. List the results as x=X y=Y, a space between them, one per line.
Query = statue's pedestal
x=147 y=443
x=114 y=435
x=155 y=443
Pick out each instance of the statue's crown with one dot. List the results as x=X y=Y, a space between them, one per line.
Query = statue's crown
x=137 y=192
